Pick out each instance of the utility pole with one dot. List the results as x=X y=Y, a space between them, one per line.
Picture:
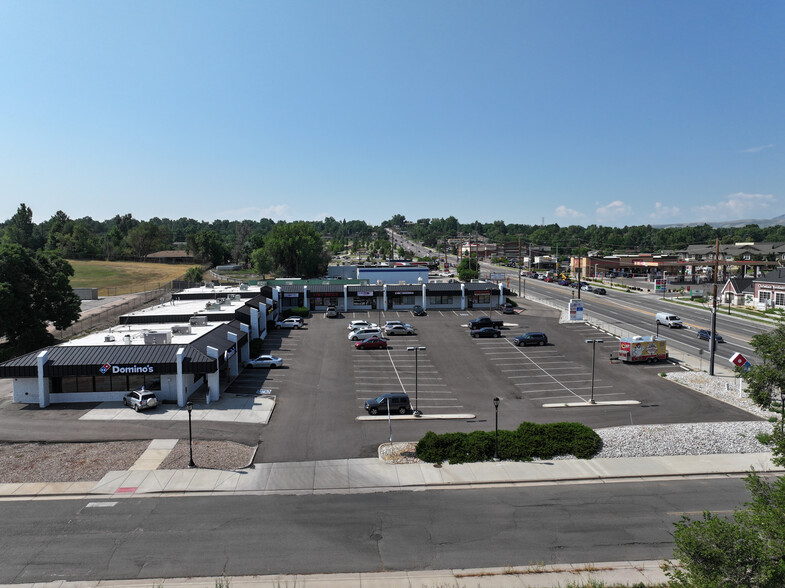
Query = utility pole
x=519 y=265
x=713 y=336
x=580 y=260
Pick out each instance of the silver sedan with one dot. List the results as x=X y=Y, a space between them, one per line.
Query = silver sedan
x=265 y=361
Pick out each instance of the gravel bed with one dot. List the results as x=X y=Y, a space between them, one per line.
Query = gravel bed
x=663 y=440
x=216 y=455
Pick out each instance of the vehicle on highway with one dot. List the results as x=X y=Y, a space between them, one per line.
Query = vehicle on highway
x=361 y=334
x=140 y=399
x=361 y=324
x=530 y=338
x=418 y=310
x=486 y=332
x=331 y=312
x=398 y=402
x=508 y=308
x=600 y=291
x=293 y=322
x=705 y=334
x=401 y=329
x=265 y=361
x=587 y=288
x=371 y=343
x=668 y=319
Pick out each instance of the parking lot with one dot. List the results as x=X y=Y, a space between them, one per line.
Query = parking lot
x=326 y=380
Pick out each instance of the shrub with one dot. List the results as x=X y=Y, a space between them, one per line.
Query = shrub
x=300 y=311
x=529 y=441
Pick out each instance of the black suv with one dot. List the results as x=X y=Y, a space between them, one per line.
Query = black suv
x=399 y=402
x=532 y=338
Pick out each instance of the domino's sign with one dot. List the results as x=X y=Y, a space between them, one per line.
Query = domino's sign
x=740 y=361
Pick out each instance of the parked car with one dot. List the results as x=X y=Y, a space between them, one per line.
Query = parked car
x=293 y=322
x=508 y=308
x=140 y=399
x=398 y=402
x=361 y=334
x=361 y=324
x=705 y=334
x=331 y=312
x=371 y=343
x=600 y=291
x=401 y=329
x=486 y=332
x=530 y=338
x=418 y=310
x=265 y=361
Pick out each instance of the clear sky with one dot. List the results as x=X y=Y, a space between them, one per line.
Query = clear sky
x=576 y=112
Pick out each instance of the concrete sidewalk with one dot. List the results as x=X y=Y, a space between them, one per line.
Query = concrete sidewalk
x=618 y=573
x=373 y=475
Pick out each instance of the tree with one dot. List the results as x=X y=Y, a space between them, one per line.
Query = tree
x=261 y=261
x=34 y=291
x=745 y=550
x=207 y=246
x=766 y=383
x=298 y=249
x=20 y=228
x=468 y=269
x=194 y=274
x=147 y=237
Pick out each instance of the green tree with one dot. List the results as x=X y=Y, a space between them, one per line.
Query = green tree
x=298 y=249
x=34 y=291
x=745 y=550
x=261 y=261
x=207 y=246
x=766 y=384
x=468 y=269
x=20 y=228
x=194 y=274
x=148 y=237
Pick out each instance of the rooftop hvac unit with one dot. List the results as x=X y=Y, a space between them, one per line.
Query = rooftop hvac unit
x=401 y=282
x=197 y=320
x=243 y=287
x=158 y=338
x=126 y=339
x=181 y=330
x=208 y=284
x=109 y=339
x=378 y=282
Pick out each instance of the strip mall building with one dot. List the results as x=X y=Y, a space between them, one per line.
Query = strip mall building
x=199 y=341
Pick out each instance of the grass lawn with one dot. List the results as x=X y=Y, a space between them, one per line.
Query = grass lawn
x=113 y=278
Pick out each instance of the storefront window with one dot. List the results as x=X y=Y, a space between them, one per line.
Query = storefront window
x=119 y=383
x=135 y=381
x=103 y=383
x=779 y=298
x=440 y=300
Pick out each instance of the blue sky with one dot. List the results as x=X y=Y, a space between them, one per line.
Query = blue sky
x=576 y=112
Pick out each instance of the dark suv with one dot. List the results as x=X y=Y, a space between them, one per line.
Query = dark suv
x=532 y=338
x=399 y=402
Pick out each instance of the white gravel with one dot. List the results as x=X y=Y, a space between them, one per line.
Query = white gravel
x=692 y=438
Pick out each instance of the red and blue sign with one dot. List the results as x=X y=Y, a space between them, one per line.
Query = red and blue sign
x=739 y=360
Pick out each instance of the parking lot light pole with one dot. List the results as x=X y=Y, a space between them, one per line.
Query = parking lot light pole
x=416 y=378
x=191 y=464
x=593 y=348
x=496 y=447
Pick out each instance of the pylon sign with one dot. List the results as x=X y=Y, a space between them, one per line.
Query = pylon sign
x=739 y=360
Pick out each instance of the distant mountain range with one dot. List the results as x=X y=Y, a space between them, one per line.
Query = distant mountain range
x=761 y=222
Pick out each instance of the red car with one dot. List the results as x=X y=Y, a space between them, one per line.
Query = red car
x=371 y=343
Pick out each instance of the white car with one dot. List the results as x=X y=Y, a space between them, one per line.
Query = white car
x=265 y=361
x=399 y=329
x=362 y=334
x=361 y=324
x=293 y=322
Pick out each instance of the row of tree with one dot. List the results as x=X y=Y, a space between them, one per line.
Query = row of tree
x=639 y=238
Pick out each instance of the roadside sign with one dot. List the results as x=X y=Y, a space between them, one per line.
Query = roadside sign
x=739 y=360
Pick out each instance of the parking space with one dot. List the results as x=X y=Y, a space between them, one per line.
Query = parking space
x=281 y=343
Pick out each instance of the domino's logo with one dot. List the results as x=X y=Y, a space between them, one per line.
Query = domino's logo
x=105 y=368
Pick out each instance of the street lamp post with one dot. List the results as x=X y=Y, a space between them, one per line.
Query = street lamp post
x=593 y=348
x=657 y=324
x=496 y=447
x=191 y=464
x=416 y=378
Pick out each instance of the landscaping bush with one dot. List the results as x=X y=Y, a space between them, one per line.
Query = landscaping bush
x=529 y=441
x=300 y=311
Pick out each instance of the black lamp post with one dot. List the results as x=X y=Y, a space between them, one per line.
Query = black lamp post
x=416 y=378
x=496 y=448
x=658 y=328
x=191 y=464
x=593 y=348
